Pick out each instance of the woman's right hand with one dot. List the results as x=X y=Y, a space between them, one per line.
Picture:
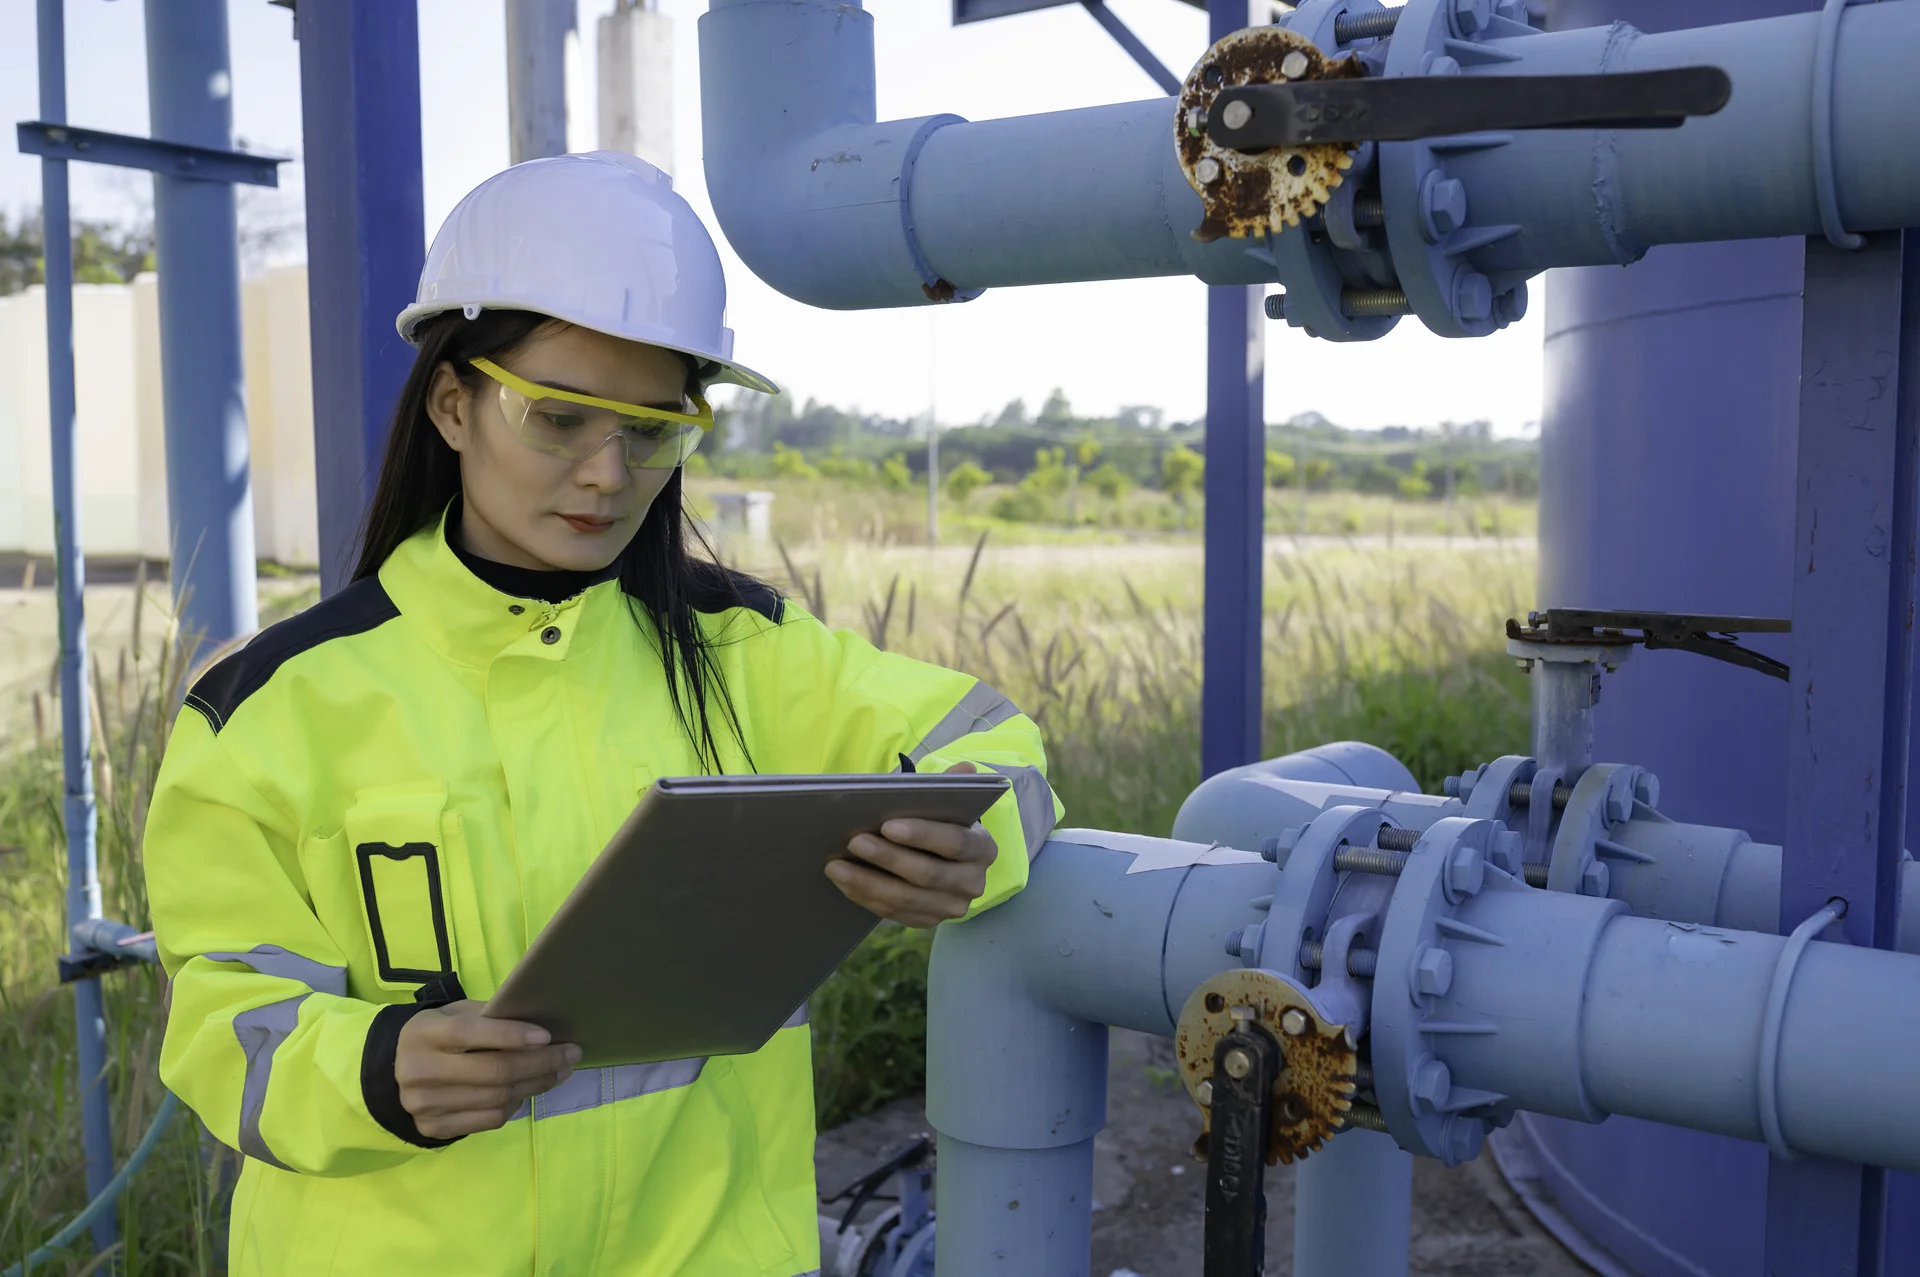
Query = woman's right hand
x=460 y=1072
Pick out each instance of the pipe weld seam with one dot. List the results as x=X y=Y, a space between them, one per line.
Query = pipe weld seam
x=936 y=288
x=1769 y=1097
x=1825 y=50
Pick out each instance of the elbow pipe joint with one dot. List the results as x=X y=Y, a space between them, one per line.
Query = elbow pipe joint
x=812 y=192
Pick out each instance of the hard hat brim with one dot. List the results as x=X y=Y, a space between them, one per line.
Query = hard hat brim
x=730 y=371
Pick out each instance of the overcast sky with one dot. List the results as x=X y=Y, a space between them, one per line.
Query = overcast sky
x=1106 y=344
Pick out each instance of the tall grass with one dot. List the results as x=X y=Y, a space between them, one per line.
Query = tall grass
x=168 y=1220
x=1100 y=644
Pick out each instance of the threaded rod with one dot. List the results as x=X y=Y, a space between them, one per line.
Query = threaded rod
x=1522 y=794
x=1369 y=210
x=1360 y=303
x=1369 y=860
x=1349 y=27
x=1397 y=839
x=1364 y=1117
x=1361 y=963
x=1535 y=874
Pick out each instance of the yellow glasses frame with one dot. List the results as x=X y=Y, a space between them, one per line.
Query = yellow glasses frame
x=534 y=392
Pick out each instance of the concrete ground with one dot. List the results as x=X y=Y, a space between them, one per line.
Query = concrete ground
x=1148 y=1189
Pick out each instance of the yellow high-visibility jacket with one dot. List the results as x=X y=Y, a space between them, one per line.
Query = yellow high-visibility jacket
x=407 y=779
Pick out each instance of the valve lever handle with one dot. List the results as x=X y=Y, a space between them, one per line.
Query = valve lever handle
x=1245 y=1065
x=1400 y=109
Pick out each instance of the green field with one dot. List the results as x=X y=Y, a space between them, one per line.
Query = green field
x=1094 y=631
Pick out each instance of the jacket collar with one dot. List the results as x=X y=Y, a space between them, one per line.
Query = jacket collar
x=469 y=621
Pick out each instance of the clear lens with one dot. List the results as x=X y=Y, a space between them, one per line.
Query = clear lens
x=573 y=431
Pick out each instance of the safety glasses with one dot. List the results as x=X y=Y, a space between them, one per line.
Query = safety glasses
x=561 y=423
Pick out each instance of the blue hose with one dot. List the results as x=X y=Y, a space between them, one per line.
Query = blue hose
x=169 y=1105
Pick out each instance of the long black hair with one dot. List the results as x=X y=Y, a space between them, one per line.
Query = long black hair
x=664 y=583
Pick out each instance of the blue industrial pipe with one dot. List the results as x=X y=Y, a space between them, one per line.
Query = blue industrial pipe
x=210 y=506
x=840 y=211
x=76 y=727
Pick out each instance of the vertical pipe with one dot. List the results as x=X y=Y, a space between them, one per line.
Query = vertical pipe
x=537 y=77
x=1353 y=1209
x=1235 y=518
x=360 y=106
x=70 y=568
x=190 y=99
x=1563 y=715
x=1852 y=669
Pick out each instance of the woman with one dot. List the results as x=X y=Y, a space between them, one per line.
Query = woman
x=375 y=805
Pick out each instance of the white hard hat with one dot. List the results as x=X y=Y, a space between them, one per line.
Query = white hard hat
x=601 y=240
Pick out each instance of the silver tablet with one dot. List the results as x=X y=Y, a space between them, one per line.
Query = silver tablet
x=705 y=924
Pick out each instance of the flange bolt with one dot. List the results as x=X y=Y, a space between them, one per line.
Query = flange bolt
x=1203 y=1093
x=1276 y=304
x=1208 y=170
x=1472 y=297
x=1237 y=1063
x=1432 y=1083
x=1244 y=942
x=1293 y=1022
x=1595 y=878
x=1443 y=206
x=1466 y=872
x=1462 y=1137
x=1646 y=789
x=1279 y=847
x=1293 y=66
x=1509 y=849
x=1433 y=971
x=1470 y=17
x=1235 y=114
x=1512 y=304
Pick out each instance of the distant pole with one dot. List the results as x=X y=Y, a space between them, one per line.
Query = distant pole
x=635 y=57
x=70 y=568
x=537 y=33
x=209 y=500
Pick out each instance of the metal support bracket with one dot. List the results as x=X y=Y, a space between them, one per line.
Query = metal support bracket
x=175 y=159
x=1136 y=48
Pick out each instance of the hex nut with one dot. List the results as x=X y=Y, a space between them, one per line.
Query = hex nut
x=1208 y=170
x=1509 y=849
x=1462 y=1138
x=1443 y=206
x=1646 y=789
x=1432 y=1083
x=1293 y=1022
x=1196 y=120
x=1279 y=847
x=1433 y=971
x=1466 y=872
x=1595 y=879
x=1470 y=17
x=1203 y=1093
x=1293 y=66
x=1512 y=304
x=1619 y=800
x=1237 y=1063
x=1235 y=114
x=1472 y=297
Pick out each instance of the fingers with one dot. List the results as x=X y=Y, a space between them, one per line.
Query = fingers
x=460 y=1026
x=483 y=1068
x=919 y=868
x=949 y=842
x=446 y=1101
x=892 y=897
x=963 y=767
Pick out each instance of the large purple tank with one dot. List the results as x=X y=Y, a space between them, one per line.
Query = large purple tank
x=1667 y=482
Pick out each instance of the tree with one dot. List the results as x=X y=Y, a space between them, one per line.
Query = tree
x=1279 y=468
x=1181 y=471
x=895 y=475
x=1110 y=481
x=1051 y=476
x=1056 y=413
x=1319 y=472
x=1014 y=415
x=103 y=252
x=964 y=479
x=789 y=463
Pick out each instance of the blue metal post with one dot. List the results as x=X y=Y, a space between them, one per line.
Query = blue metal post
x=1235 y=491
x=76 y=737
x=1852 y=658
x=190 y=98
x=360 y=99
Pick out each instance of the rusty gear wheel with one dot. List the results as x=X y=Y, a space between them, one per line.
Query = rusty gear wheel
x=1314 y=1091
x=1248 y=196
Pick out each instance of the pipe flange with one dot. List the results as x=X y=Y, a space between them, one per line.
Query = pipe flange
x=1314 y=1090
x=1424 y=1112
x=1602 y=798
x=1250 y=196
x=1428 y=221
x=1490 y=796
x=1305 y=886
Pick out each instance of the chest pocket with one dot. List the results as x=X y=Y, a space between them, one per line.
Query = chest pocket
x=400 y=859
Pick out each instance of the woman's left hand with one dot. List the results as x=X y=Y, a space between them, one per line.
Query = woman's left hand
x=917 y=872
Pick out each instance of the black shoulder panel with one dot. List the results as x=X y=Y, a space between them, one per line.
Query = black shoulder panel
x=723 y=588
x=360 y=607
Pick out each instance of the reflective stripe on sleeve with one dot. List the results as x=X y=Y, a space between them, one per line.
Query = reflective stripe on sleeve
x=1034 y=797
x=797 y=1019
x=980 y=709
x=272 y=960
x=590 y=1088
x=261 y=1030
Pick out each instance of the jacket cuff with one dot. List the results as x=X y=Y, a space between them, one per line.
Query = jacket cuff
x=379 y=1086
